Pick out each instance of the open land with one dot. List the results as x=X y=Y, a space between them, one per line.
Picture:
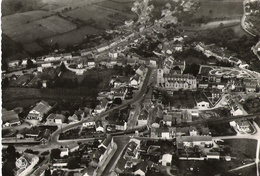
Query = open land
x=232 y=9
x=63 y=23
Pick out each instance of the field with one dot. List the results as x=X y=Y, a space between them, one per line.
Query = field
x=242 y=148
x=233 y=9
x=121 y=6
x=46 y=27
x=72 y=37
x=36 y=30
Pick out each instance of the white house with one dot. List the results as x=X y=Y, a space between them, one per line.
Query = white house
x=64 y=152
x=143 y=117
x=141 y=168
x=89 y=123
x=167 y=160
x=135 y=81
x=202 y=105
x=102 y=106
x=236 y=111
x=99 y=126
x=39 y=110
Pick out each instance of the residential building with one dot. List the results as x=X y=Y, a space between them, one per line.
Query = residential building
x=167 y=160
x=202 y=105
x=99 y=126
x=102 y=106
x=243 y=126
x=55 y=119
x=143 y=117
x=39 y=111
x=140 y=169
x=135 y=81
x=191 y=141
x=141 y=71
x=89 y=123
x=10 y=118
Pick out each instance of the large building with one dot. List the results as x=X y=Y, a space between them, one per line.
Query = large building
x=174 y=81
x=170 y=76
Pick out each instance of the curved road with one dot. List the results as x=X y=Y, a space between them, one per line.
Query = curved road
x=102 y=116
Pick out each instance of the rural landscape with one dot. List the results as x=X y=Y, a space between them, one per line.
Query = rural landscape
x=130 y=87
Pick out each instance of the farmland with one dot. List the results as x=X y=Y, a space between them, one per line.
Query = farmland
x=72 y=37
x=64 y=23
x=220 y=9
x=50 y=26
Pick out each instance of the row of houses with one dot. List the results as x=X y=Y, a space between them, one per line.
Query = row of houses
x=220 y=54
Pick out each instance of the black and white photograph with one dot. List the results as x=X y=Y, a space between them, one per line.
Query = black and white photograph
x=130 y=87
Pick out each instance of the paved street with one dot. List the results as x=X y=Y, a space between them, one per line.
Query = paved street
x=121 y=142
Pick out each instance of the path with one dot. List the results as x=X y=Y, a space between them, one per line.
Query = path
x=243 y=20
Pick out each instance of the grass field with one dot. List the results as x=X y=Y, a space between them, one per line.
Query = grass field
x=46 y=27
x=72 y=37
x=11 y=21
x=242 y=148
x=232 y=9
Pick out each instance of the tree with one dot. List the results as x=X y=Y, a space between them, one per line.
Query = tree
x=118 y=101
x=29 y=63
x=55 y=153
x=73 y=162
x=62 y=67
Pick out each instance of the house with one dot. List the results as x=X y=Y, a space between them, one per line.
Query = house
x=39 y=111
x=102 y=106
x=140 y=169
x=89 y=123
x=73 y=147
x=143 y=117
x=213 y=155
x=132 y=149
x=10 y=118
x=235 y=110
x=168 y=119
x=135 y=81
x=99 y=126
x=202 y=104
x=203 y=85
x=243 y=126
x=91 y=63
x=119 y=125
x=141 y=71
x=44 y=136
x=29 y=133
x=167 y=160
x=55 y=119
x=162 y=133
x=79 y=114
x=64 y=152
x=104 y=150
x=191 y=141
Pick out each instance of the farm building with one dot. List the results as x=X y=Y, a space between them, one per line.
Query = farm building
x=39 y=110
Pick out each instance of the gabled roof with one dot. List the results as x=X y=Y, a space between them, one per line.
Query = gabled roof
x=142 y=166
x=9 y=116
x=103 y=102
x=42 y=107
x=143 y=115
x=98 y=123
x=107 y=141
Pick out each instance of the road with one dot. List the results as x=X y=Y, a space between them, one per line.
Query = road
x=121 y=143
x=243 y=20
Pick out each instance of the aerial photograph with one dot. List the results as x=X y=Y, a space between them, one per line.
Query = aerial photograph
x=130 y=87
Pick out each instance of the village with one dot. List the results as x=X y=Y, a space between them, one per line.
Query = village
x=145 y=107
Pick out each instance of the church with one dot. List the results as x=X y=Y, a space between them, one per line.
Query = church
x=171 y=76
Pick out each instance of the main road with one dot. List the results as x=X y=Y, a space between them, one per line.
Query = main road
x=102 y=116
